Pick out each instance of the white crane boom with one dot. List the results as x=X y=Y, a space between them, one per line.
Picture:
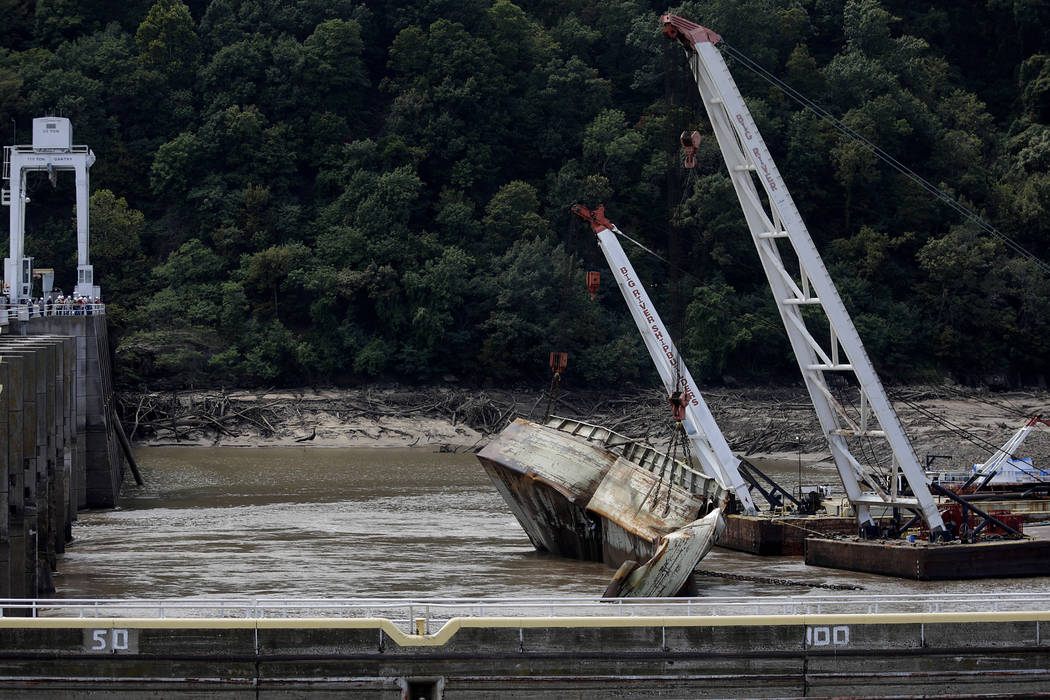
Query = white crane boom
x=717 y=460
x=1008 y=450
x=774 y=222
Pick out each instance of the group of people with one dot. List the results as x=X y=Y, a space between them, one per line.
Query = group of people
x=64 y=306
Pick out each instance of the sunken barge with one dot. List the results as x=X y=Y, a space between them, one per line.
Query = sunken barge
x=585 y=492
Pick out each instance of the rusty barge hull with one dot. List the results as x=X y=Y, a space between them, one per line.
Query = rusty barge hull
x=954 y=562
x=547 y=481
x=553 y=522
x=638 y=508
x=780 y=535
x=582 y=491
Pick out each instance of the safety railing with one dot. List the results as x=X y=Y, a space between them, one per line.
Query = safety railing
x=437 y=611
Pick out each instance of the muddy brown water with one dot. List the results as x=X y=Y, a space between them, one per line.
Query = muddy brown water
x=358 y=522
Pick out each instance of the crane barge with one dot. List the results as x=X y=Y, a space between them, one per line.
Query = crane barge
x=535 y=485
x=798 y=279
x=777 y=228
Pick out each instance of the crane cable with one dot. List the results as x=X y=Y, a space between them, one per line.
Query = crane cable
x=896 y=165
x=964 y=434
x=866 y=443
x=884 y=156
x=949 y=425
x=1001 y=405
x=874 y=459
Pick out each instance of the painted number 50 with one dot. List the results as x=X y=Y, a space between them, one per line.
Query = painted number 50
x=109 y=640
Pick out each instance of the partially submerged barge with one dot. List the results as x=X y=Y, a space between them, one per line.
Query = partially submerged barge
x=585 y=492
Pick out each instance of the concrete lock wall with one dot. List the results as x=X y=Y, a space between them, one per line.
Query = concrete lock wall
x=798 y=655
x=57 y=450
x=94 y=396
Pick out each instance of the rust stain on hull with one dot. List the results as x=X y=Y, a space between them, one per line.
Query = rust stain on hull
x=638 y=508
x=553 y=522
x=547 y=479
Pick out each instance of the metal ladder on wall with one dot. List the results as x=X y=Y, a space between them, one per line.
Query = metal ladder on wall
x=5 y=194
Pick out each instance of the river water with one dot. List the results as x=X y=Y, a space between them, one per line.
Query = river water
x=328 y=522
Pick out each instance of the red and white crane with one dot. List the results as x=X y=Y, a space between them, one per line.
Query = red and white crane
x=776 y=228
x=703 y=433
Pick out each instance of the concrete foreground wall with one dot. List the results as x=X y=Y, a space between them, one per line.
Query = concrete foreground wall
x=39 y=464
x=57 y=453
x=784 y=656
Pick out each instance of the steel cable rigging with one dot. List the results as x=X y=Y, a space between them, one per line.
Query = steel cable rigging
x=925 y=184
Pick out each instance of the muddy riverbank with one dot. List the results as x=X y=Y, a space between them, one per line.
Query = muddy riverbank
x=762 y=422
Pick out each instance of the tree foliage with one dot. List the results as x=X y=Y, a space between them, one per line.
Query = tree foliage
x=329 y=191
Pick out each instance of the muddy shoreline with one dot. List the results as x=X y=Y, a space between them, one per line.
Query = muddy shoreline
x=770 y=422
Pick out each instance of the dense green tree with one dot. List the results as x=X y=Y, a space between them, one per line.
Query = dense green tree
x=334 y=74
x=325 y=191
x=733 y=335
x=512 y=214
x=436 y=337
x=116 y=243
x=168 y=43
x=970 y=293
x=265 y=272
x=10 y=93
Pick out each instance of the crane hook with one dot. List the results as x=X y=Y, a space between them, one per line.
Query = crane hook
x=690 y=142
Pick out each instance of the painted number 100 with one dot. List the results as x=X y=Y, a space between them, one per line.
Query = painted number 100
x=827 y=636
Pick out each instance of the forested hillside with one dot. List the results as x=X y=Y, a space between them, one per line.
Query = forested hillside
x=320 y=191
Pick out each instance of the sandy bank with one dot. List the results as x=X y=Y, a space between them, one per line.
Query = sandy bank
x=761 y=422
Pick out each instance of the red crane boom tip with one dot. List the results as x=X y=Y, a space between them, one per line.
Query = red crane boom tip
x=688 y=33
x=595 y=217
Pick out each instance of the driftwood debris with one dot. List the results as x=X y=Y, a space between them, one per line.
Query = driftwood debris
x=183 y=416
x=755 y=421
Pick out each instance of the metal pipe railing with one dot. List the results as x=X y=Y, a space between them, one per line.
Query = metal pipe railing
x=71 y=307
x=406 y=611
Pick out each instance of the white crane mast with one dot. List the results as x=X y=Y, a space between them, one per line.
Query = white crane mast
x=774 y=222
x=1008 y=450
x=717 y=460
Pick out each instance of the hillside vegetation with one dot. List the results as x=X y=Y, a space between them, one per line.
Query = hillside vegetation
x=318 y=191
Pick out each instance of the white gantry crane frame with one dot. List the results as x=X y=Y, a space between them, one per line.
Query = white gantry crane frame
x=52 y=152
x=716 y=459
x=775 y=225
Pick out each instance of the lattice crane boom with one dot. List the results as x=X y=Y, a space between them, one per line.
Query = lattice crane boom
x=1008 y=450
x=777 y=227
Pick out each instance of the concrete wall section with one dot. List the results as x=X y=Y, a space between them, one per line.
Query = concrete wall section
x=10 y=453
x=36 y=435
x=22 y=430
x=59 y=451
x=60 y=434
x=815 y=656
x=97 y=443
